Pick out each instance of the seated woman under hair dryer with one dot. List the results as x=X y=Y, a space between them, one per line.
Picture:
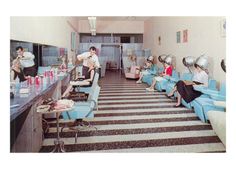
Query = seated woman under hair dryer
x=149 y=69
x=185 y=89
x=167 y=72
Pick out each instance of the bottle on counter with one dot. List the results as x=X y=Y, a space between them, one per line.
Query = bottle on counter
x=17 y=83
x=37 y=82
x=29 y=80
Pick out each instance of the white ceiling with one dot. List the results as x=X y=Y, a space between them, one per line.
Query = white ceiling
x=118 y=18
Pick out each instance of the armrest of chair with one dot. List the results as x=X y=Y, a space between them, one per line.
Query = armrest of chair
x=210 y=91
x=199 y=88
x=218 y=97
x=221 y=104
x=215 y=95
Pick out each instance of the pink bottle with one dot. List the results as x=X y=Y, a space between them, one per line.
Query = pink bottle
x=28 y=80
x=37 y=80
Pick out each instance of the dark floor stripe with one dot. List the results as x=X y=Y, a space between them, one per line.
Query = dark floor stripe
x=154 y=102
x=137 y=107
x=137 y=98
x=214 y=152
x=135 y=121
x=142 y=94
x=130 y=131
x=136 y=144
x=143 y=113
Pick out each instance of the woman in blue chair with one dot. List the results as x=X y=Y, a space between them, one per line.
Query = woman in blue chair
x=86 y=82
x=185 y=89
x=166 y=72
x=149 y=69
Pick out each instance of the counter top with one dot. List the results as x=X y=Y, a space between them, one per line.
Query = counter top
x=24 y=101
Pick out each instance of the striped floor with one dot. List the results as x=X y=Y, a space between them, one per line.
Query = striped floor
x=129 y=119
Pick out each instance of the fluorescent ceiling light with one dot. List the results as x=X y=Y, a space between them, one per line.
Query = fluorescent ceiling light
x=93 y=32
x=92 y=22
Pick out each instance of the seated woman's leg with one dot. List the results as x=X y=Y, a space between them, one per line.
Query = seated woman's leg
x=69 y=88
x=151 y=88
x=140 y=78
x=178 y=100
x=172 y=92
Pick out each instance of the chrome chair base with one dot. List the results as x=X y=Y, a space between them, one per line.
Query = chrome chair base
x=59 y=146
x=77 y=126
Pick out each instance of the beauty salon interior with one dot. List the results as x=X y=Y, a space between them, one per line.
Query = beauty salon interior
x=117 y=84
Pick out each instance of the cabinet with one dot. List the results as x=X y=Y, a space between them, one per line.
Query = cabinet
x=29 y=138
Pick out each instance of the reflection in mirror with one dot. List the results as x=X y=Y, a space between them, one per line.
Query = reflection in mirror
x=45 y=55
x=27 y=46
x=52 y=56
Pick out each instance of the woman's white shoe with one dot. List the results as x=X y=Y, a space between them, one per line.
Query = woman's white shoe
x=150 y=89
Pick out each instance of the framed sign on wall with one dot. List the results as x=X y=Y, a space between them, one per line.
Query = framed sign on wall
x=178 y=36
x=185 y=35
x=223 y=27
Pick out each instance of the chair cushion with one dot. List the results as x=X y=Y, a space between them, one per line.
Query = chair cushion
x=218 y=123
x=132 y=75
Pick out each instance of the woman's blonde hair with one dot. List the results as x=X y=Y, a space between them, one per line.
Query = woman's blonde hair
x=91 y=63
x=132 y=57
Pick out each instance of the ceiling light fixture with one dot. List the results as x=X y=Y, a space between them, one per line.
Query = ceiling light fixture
x=92 y=23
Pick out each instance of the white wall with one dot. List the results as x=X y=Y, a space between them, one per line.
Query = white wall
x=44 y=30
x=204 y=37
x=112 y=26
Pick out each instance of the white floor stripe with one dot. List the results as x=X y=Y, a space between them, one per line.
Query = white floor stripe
x=133 y=137
x=135 y=105
x=137 y=117
x=143 y=125
x=207 y=147
x=122 y=89
x=122 y=86
x=133 y=93
x=129 y=91
x=127 y=101
x=118 y=84
x=139 y=110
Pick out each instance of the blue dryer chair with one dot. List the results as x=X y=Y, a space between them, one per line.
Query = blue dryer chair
x=160 y=86
x=160 y=70
x=88 y=89
x=211 y=86
x=204 y=104
x=148 y=78
x=82 y=110
x=174 y=79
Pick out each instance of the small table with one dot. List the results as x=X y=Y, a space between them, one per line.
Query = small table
x=59 y=144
